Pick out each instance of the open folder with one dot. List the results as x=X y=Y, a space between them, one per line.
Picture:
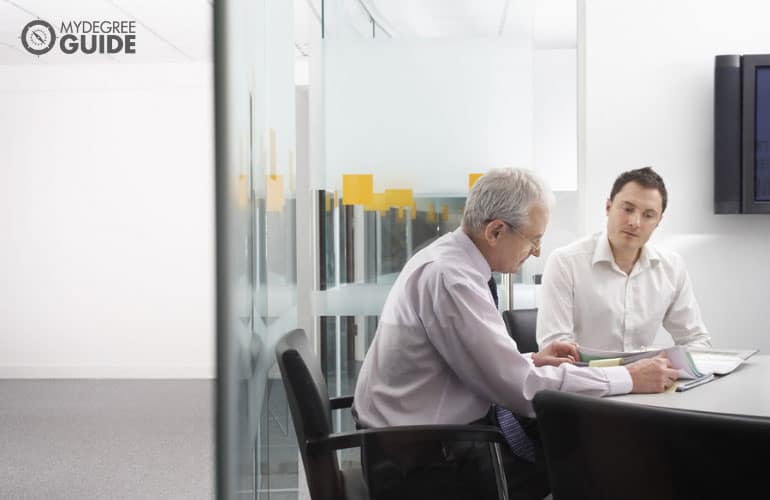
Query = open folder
x=690 y=374
x=695 y=366
x=680 y=358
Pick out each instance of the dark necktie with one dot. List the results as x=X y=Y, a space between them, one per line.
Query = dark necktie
x=493 y=288
x=521 y=445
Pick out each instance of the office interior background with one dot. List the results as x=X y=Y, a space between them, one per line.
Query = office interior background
x=110 y=222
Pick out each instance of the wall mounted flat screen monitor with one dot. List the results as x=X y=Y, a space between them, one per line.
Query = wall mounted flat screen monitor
x=756 y=133
x=742 y=134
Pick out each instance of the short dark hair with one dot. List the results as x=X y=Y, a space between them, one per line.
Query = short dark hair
x=645 y=177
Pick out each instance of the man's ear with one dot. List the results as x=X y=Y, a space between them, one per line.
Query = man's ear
x=493 y=230
x=607 y=206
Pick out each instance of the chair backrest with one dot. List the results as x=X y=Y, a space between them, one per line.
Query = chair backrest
x=601 y=449
x=522 y=325
x=308 y=399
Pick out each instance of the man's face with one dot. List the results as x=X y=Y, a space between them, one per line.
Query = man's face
x=514 y=247
x=632 y=216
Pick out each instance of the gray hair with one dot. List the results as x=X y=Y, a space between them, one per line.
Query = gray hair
x=506 y=194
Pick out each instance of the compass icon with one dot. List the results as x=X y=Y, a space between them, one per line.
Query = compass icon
x=38 y=37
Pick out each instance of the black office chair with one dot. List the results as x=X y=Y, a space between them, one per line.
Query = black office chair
x=311 y=407
x=522 y=325
x=603 y=449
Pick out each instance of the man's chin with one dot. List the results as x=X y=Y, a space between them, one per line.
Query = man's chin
x=626 y=241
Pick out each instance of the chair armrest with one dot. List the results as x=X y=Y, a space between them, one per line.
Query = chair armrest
x=333 y=442
x=408 y=433
x=341 y=402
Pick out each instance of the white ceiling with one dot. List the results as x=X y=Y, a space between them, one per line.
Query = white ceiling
x=166 y=30
x=550 y=23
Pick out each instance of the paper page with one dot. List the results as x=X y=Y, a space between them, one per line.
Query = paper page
x=741 y=353
x=716 y=363
x=683 y=362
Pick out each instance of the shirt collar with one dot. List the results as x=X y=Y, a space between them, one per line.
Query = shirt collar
x=603 y=253
x=602 y=250
x=477 y=260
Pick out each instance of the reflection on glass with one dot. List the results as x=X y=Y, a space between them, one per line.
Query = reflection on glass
x=362 y=251
x=344 y=342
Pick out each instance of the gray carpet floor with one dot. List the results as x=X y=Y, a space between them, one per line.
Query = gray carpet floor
x=110 y=439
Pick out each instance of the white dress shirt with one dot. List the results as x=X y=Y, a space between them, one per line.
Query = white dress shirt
x=588 y=299
x=442 y=354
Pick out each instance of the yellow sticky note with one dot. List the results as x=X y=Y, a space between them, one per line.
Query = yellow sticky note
x=274 y=189
x=445 y=213
x=357 y=189
x=414 y=210
x=399 y=198
x=377 y=203
x=472 y=178
x=604 y=363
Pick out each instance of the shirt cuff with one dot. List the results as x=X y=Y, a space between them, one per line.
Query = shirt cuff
x=619 y=379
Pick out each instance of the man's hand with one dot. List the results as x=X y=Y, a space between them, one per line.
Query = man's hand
x=556 y=353
x=652 y=374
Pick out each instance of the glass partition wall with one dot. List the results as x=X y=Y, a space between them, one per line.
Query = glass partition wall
x=256 y=244
x=325 y=189
x=408 y=120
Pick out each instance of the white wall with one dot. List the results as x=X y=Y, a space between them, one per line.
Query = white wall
x=106 y=216
x=649 y=88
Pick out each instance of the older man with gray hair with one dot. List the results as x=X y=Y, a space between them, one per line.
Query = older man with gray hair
x=442 y=354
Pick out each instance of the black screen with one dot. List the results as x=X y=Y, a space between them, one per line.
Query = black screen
x=762 y=135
